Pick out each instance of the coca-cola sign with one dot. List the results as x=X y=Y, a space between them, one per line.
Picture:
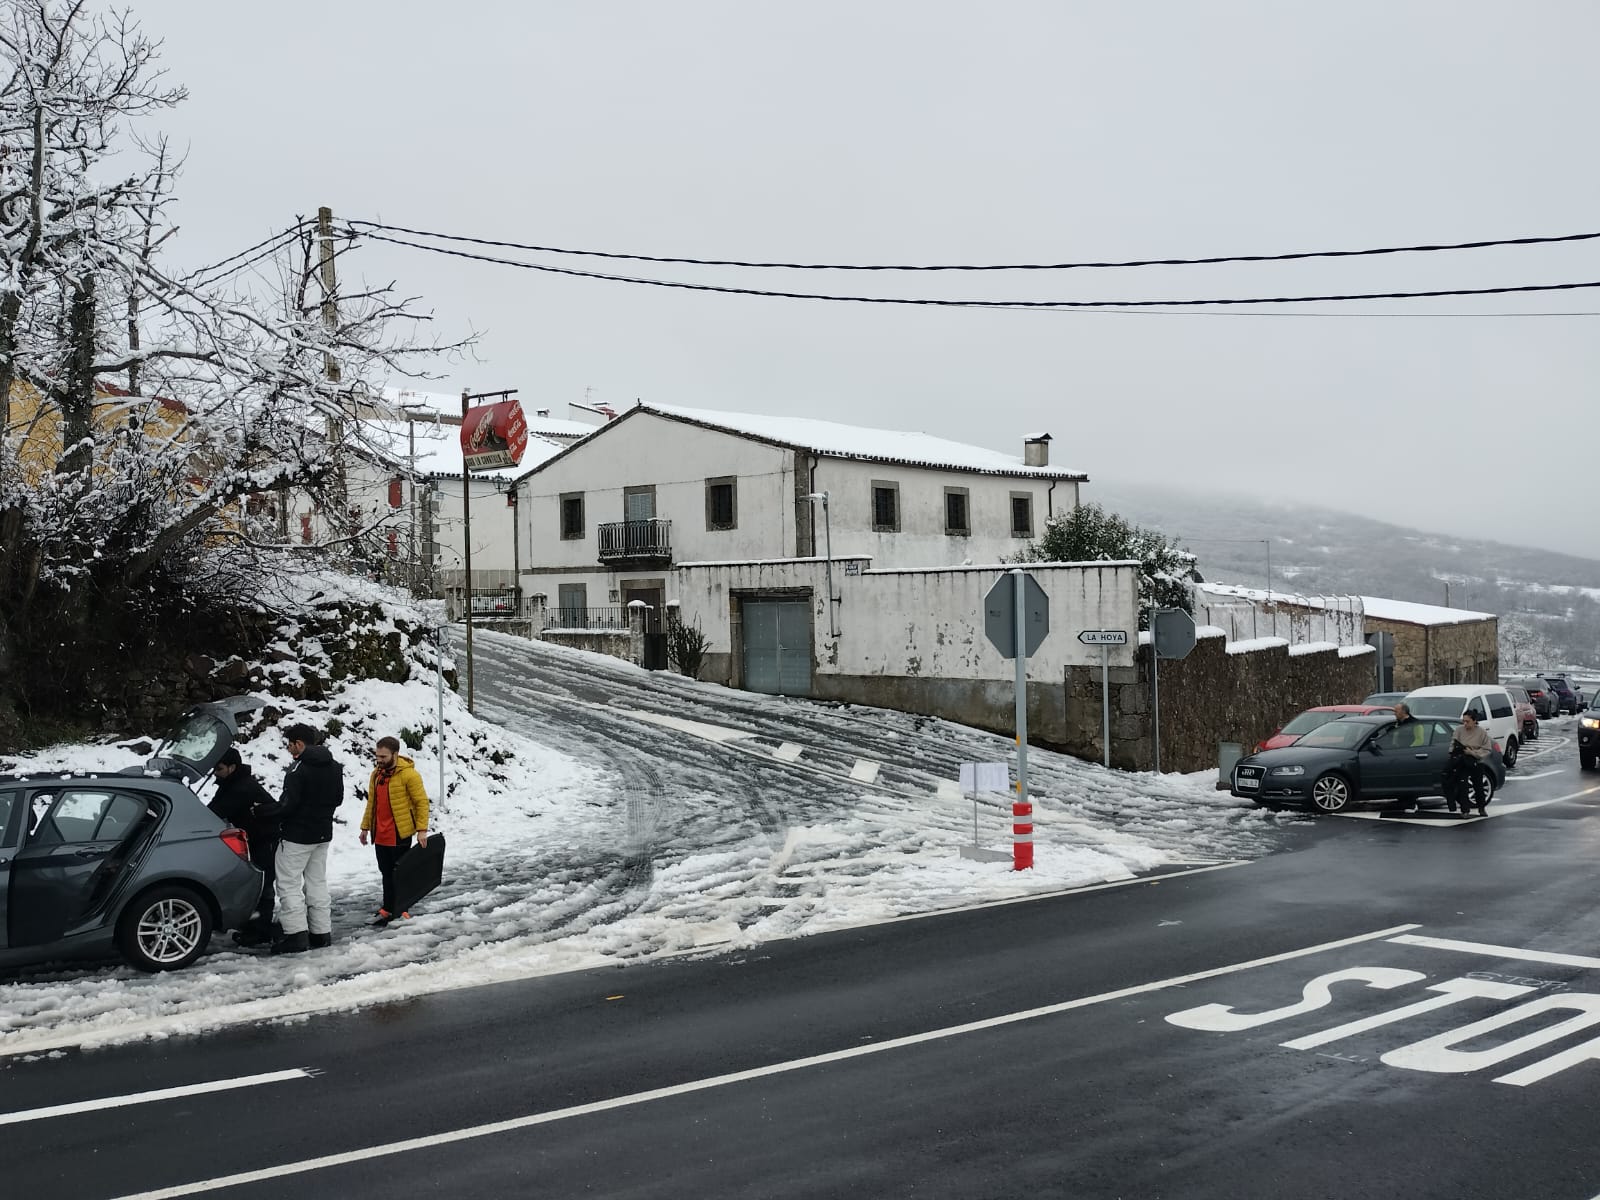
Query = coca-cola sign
x=494 y=435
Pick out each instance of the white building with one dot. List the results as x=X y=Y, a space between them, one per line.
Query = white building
x=604 y=521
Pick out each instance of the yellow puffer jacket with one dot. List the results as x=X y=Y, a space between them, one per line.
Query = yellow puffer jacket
x=408 y=799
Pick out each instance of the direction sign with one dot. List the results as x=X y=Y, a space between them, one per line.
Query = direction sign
x=1000 y=615
x=1104 y=637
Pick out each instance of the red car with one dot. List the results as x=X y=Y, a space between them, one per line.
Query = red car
x=1315 y=717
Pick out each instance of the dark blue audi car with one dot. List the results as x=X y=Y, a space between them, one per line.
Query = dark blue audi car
x=1357 y=759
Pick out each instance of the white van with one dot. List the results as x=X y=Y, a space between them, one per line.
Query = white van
x=1492 y=702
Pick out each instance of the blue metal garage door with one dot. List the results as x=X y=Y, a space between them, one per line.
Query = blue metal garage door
x=777 y=647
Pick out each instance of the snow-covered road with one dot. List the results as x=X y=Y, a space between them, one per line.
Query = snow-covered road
x=635 y=814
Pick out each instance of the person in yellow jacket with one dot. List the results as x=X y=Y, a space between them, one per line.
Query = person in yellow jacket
x=397 y=809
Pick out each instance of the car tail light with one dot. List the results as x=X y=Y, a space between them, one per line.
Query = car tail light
x=237 y=842
x=1498 y=748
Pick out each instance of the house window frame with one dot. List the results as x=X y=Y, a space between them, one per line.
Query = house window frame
x=731 y=482
x=571 y=535
x=964 y=529
x=642 y=489
x=893 y=488
x=1016 y=531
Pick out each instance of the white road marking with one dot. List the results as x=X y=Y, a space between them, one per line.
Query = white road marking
x=865 y=771
x=1497 y=808
x=949 y=789
x=172 y=1093
x=1526 y=778
x=788 y=752
x=533 y=1120
x=1486 y=950
x=711 y=733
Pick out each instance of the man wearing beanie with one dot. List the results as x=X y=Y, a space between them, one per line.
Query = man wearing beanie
x=241 y=801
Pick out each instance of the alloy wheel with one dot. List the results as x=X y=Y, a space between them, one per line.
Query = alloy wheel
x=169 y=930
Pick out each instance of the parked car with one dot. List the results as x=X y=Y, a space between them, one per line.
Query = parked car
x=1588 y=739
x=129 y=863
x=1566 y=697
x=1385 y=699
x=1527 y=715
x=1314 y=717
x=1492 y=702
x=1355 y=760
x=1545 y=702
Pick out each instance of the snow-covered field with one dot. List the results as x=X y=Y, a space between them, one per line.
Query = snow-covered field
x=553 y=864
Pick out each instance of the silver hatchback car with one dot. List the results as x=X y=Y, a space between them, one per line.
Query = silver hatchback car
x=131 y=863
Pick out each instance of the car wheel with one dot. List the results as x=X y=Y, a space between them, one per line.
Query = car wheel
x=1511 y=752
x=165 y=929
x=1331 y=793
x=1586 y=761
x=1483 y=792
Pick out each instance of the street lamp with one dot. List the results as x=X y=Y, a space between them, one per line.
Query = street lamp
x=827 y=528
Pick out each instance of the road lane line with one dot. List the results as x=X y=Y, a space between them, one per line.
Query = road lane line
x=1483 y=948
x=788 y=752
x=699 y=729
x=533 y=1120
x=172 y=1093
x=865 y=771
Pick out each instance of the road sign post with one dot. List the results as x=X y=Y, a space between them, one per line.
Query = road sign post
x=1105 y=639
x=1016 y=618
x=1171 y=636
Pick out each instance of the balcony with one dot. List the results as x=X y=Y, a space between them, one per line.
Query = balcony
x=636 y=545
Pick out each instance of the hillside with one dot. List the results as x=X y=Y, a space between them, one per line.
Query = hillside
x=1549 y=603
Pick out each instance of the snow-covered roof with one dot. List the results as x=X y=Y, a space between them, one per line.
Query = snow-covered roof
x=427 y=404
x=1379 y=608
x=836 y=440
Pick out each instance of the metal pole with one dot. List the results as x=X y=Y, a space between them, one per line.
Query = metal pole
x=466 y=546
x=1269 y=567
x=827 y=533
x=1155 y=697
x=438 y=662
x=1105 y=698
x=1021 y=808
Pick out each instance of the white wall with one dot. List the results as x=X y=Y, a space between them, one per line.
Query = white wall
x=927 y=623
x=493 y=526
x=922 y=541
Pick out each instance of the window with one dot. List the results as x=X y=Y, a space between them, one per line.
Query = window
x=572 y=605
x=639 y=503
x=721 y=504
x=956 y=520
x=1021 y=514
x=81 y=816
x=571 y=515
x=885 y=507
x=1413 y=735
x=8 y=805
x=1499 y=704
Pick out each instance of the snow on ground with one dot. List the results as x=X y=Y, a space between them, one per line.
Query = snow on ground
x=549 y=870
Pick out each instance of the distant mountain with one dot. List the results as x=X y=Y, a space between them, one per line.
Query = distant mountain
x=1549 y=603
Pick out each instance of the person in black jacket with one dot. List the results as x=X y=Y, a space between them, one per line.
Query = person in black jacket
x=312 y=790
x=240 y=800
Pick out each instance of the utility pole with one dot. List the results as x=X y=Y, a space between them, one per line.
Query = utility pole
x=466 y=549
x=334 y=423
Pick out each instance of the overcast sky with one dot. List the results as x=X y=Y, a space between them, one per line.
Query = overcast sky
x=932 y=131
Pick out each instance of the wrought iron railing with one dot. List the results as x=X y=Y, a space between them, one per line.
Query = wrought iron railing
x=636 y=539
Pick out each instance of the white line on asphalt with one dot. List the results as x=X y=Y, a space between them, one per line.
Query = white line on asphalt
x=172 y=1093
x=715 y=1081
x=1486 y=950
x=1525 y=778
x=1497 y=808
x=788 y=752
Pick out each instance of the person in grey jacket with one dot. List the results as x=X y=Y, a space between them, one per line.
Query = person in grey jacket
x=312 y=791
x=1470 y=745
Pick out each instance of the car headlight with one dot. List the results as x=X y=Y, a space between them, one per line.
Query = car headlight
x=1590 y=722
x=1288 y=771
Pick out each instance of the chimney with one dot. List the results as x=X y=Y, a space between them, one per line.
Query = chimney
x=1036 y=450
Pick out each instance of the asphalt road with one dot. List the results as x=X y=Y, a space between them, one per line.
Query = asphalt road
x=1381 y=1009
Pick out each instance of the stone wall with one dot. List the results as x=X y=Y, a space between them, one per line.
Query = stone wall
x=1468 y=652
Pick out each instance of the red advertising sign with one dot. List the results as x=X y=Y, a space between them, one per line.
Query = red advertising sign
x=494 y=435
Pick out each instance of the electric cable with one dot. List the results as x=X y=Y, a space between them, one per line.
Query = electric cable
x=1060 y=266
x=276 y=242
x=1432 y=293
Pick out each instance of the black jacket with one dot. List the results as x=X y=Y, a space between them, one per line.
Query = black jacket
x=241 y=800
x=312 y=790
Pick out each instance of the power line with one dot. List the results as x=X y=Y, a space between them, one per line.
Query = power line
x=273 y=244
x=1433 y=293
x=1060 y=266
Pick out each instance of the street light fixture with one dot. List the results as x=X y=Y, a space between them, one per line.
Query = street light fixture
x=827 y=527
